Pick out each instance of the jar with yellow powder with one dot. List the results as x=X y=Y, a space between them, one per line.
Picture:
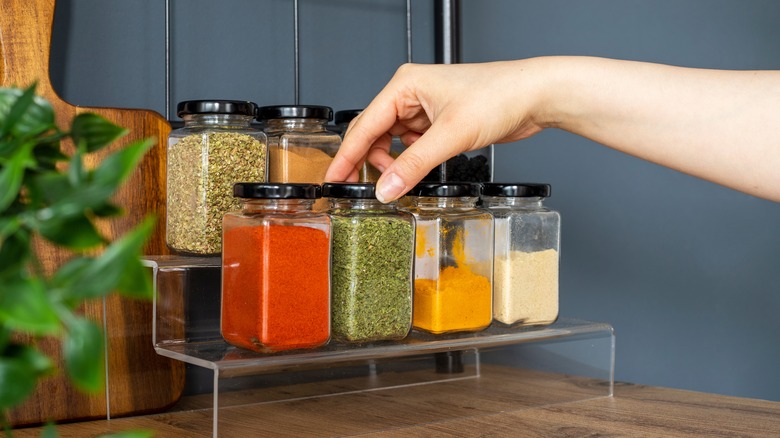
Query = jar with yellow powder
x=526 y=253
x=453 y=286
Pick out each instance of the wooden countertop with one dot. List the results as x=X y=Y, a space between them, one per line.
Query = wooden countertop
x=501 y=402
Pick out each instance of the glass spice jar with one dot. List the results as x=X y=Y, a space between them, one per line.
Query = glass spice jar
x=526 y=253
x=371 y=266
x=276 y=269
x=216 y=148
x=300 y=146
x=453 y=284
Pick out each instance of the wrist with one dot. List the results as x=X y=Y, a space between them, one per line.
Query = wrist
x=554 y=103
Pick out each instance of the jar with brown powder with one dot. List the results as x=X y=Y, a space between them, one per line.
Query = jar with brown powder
x=300 y=146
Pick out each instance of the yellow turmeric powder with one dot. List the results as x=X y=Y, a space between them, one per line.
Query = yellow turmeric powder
x=460 y=300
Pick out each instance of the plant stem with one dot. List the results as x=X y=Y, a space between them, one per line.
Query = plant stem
x=4 y=422
x=36 y=264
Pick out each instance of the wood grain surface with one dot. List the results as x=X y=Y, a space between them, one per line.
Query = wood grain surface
x=501 y=402
x=139 y=380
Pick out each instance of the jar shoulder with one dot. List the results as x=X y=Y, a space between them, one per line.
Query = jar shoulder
x=522 y=212
x=262 y=219
x=327 y=142
x=370 y=214
x=427 y=214
x=207 y=133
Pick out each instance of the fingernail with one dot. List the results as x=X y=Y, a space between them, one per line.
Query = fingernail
x=391 y=188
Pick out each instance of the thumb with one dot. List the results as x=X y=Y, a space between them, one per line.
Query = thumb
x=433 y=148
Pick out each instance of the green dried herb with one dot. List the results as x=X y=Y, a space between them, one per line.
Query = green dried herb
x=371 y=276
x=200 y=191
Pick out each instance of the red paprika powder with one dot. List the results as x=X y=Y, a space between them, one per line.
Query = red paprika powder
x=275 y=277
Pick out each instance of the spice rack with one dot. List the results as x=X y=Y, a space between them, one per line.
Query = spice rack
x=573 y=359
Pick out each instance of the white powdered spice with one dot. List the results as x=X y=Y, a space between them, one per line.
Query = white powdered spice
x=525 y=287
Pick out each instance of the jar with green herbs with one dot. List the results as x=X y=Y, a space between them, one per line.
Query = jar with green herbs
x=526 y=258
x=216 y=148
x=372 y=261
x=453 y=273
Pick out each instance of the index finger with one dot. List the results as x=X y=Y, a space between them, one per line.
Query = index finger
x=371 y=124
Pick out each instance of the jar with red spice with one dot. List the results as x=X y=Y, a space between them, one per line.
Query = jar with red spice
x=276 y=269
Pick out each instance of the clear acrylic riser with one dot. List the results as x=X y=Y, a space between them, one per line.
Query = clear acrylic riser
x=534 y=366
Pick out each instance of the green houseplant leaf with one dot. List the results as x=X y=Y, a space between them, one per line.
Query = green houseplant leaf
x=106 y=272
x=117 y=167
x=20 y=367
x=16 y=382
x=43 y=197
x=14 y=252
x=23 y=114
x=12 y=174
x=48 y=187
x=71 y=232
x=25 y=306
x=48 y=152
x=103 y=182
x=83 y=350
x=76 y=171
x=136 y=281
x=94 y=132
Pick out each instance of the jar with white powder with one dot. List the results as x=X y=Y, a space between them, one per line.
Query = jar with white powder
x=526 y=260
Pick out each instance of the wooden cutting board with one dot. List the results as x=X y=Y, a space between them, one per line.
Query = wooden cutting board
x=138 y=380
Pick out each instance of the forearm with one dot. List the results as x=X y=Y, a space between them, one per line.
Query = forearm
x=723 y=126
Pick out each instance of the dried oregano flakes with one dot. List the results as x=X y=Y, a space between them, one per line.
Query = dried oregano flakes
x=372 y=258
x=202 y=169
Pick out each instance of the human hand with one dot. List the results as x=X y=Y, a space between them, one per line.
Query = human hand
x=439 y=111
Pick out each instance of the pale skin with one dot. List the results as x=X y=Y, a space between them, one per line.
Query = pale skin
x=719 y=125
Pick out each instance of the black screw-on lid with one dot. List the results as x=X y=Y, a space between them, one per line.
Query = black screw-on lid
x=349 y=190
x=277 y=191
x=237 y=107
x=519 y=190
x=450 y=190
x=294 y=112
x=346 y=116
